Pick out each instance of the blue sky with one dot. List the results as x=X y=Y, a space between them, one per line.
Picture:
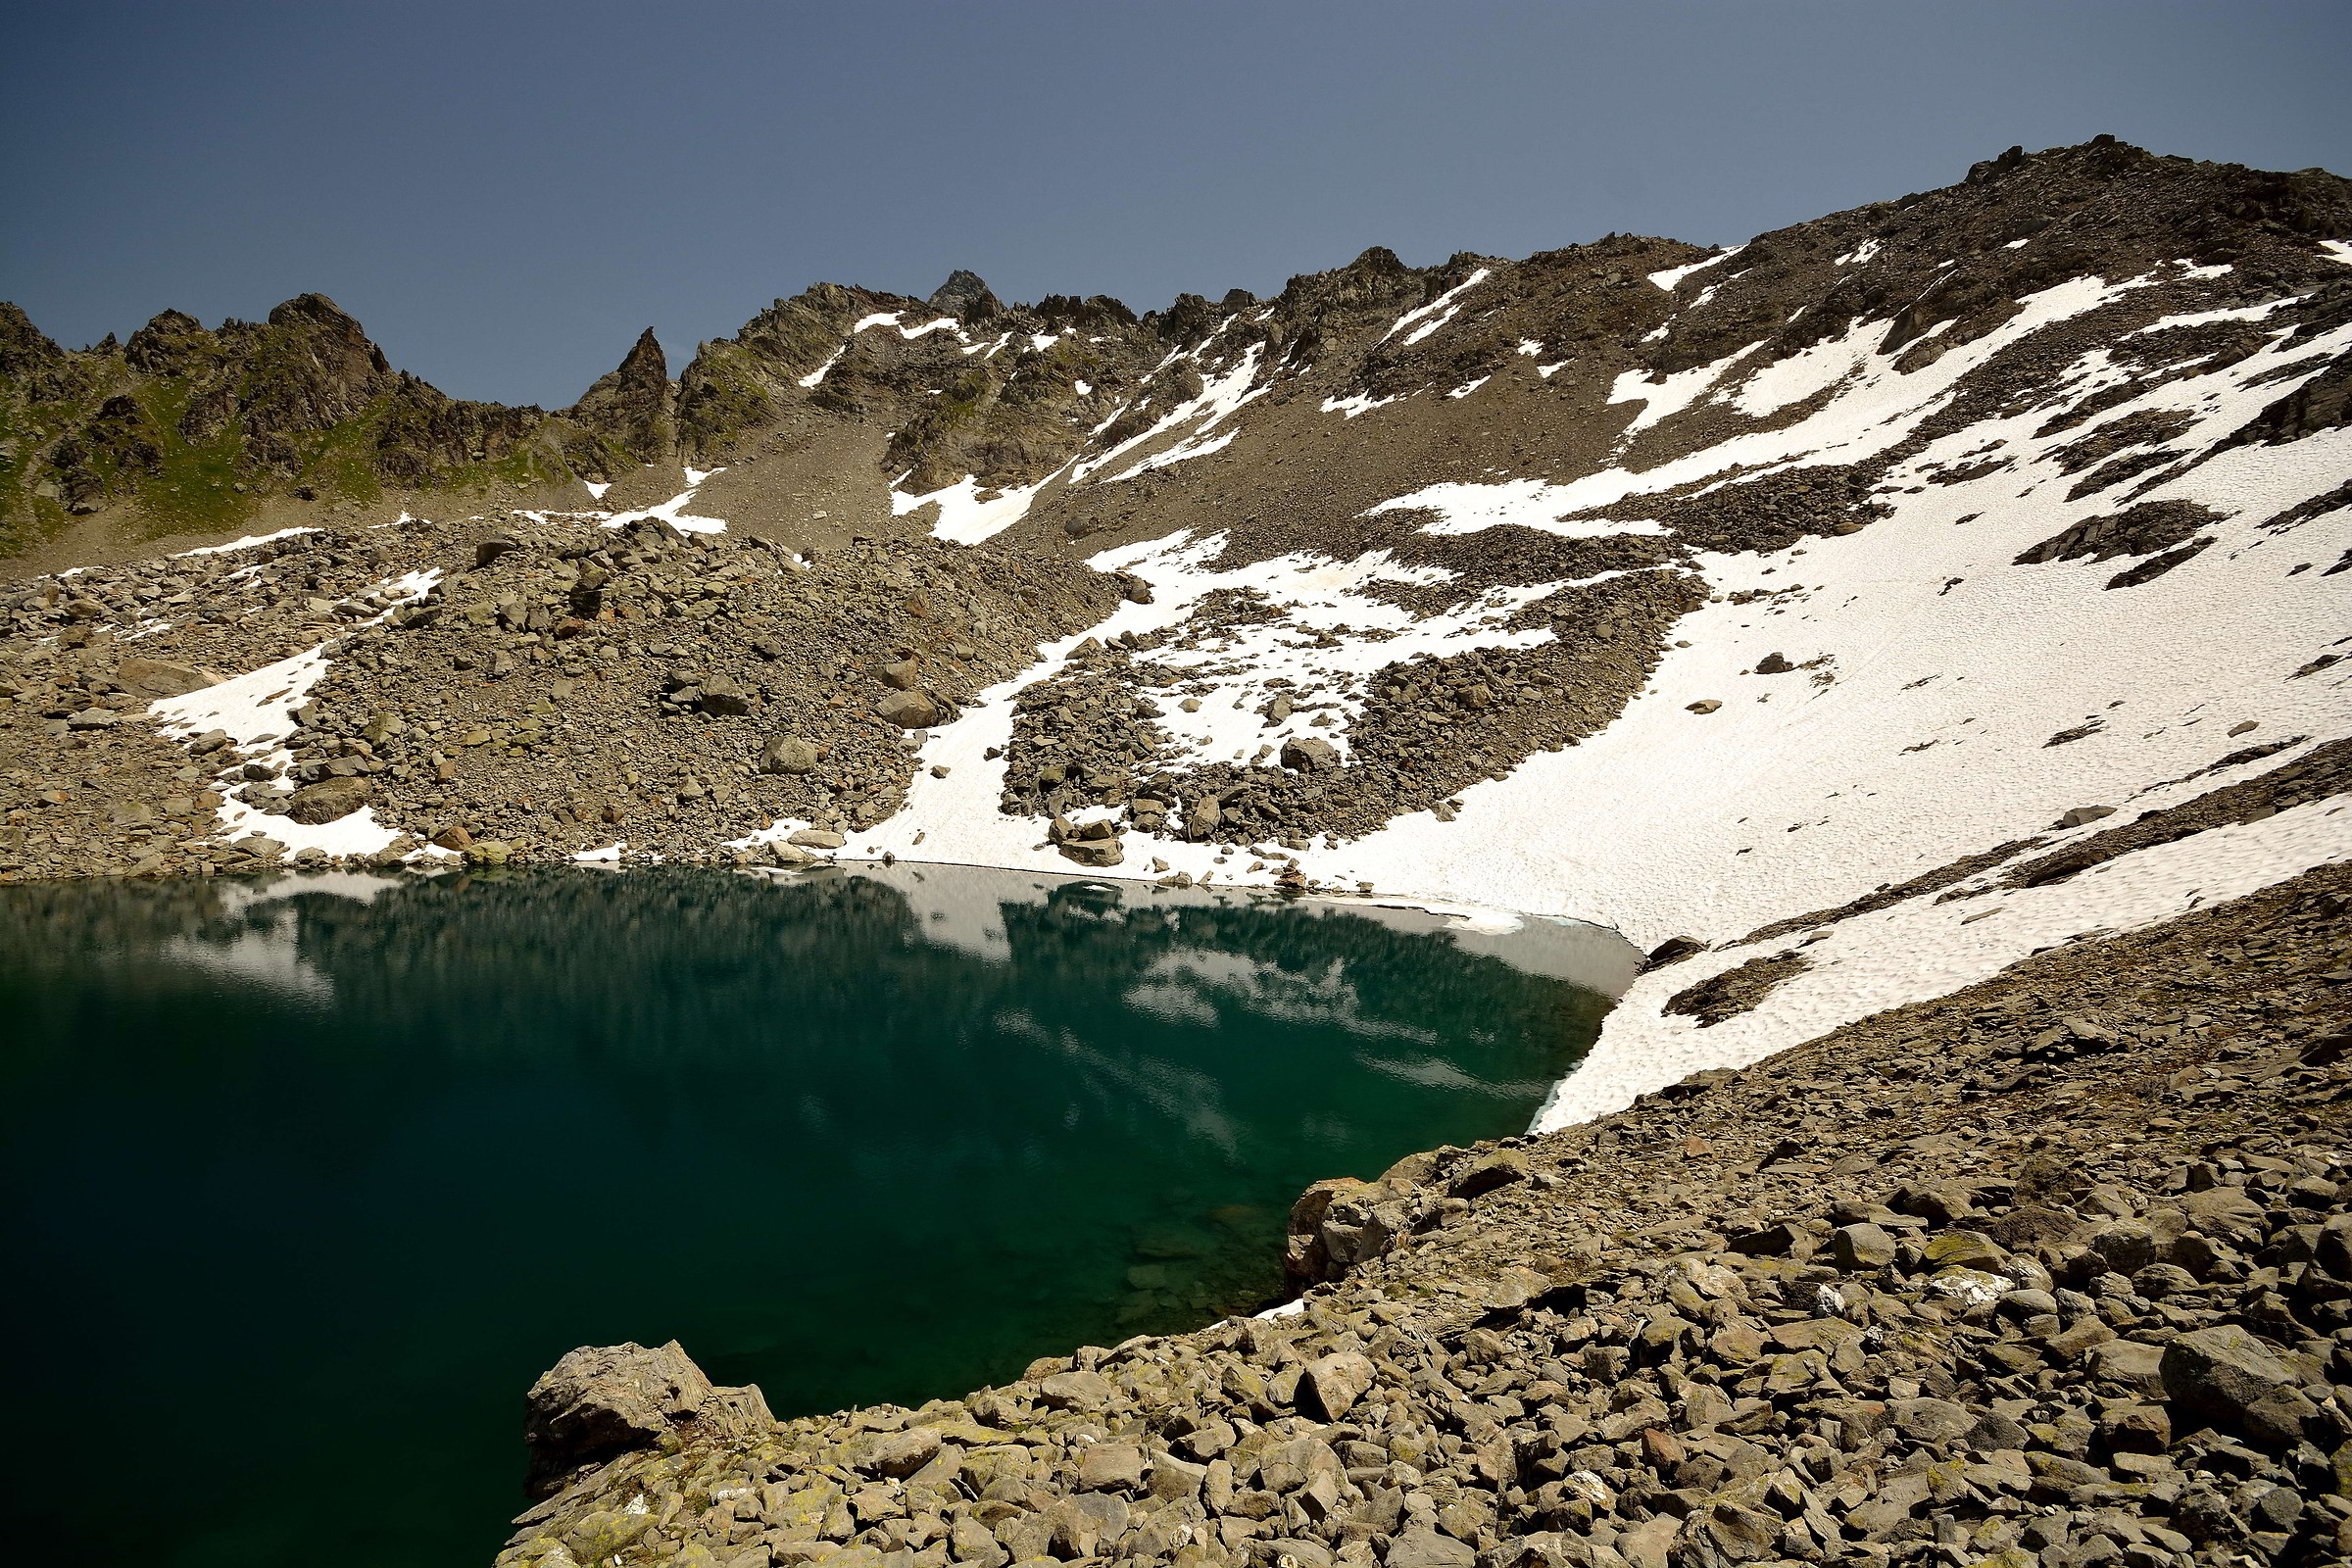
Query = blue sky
x=506 y=193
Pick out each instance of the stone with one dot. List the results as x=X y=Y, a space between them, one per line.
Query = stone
x=1307 y=754
x=604 y=1400
x=910 y=710
x=1332 y=1384
x=1076 y=1391
x=1423 y=1548
x=788 y=754
x=1930 y=1420
x=329 y=800
x=1859 y=1249
x=1092 y=851
x=154 y=679
x=2131 y=1364
x=816 y=838
x=726 y=698
x=1965 y=1249
x=1706 y=705
x=899 y=1455
x=1737 y=1534
x=1488 y=1172
x=2226 y=1376
x=1110 y=1467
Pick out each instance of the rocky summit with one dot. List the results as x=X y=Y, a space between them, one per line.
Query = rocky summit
x=1924 y=628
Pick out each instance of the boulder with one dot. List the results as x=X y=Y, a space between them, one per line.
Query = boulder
x=910 y=710
x=154 y=679
x=604 y=1400
x=1861 y=1247
x=724 y=698
x=899 y=1455
x=2226 y=1377
x=1093 y=851
x=1075 y=1390
x=1304 y=754
x=788 y=754
x=1332 y=1384
x=1111 y=1467
x=1499 y=1168
x=818 y=838
x=329 y=800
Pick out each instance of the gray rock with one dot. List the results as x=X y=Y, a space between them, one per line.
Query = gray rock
x=1075 y=1390
x=1859 y=1249
x=899 y=1455
x=1423 y=1548
x=1484 y=1175
x=816 y=838
x=1332 y=1384
x=1111 y=1466
x=1930 y=1420
x=2226 y=1376
x=1092 y=851
x=2131 y=1364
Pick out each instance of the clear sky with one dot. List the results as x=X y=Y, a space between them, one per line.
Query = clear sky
x=505 y=191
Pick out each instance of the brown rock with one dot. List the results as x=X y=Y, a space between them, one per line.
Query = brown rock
x=329 y=800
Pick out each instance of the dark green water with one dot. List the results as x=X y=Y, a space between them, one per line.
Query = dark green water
x=308 y=1180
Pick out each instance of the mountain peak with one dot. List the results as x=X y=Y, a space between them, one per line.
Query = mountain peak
x=966 y=296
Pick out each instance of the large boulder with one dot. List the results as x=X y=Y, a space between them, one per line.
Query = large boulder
x=604 y=1400
x=154 y=679
x=328 y=799
x=789 y=753
x=1306 y=753
x=2227 y=1378
x=910 y=710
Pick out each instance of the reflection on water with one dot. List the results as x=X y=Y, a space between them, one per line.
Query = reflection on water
x=314 y=1174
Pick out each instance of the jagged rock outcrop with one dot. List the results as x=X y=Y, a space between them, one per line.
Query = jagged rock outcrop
x=601 y=1401
x=631 y=411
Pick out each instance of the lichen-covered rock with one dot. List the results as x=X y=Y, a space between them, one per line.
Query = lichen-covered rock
x=604 y=1400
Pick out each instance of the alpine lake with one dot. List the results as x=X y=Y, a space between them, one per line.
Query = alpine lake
x=310 y=1176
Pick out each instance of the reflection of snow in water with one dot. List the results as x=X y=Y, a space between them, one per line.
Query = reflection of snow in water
x=267 y=955
x=1435 y=1072
x=1322 y=997
x=268 y=952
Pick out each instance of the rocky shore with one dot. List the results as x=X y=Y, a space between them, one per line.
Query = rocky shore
x=2055 y=1269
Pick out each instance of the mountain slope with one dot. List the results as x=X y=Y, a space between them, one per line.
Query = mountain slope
x=1870 y=605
